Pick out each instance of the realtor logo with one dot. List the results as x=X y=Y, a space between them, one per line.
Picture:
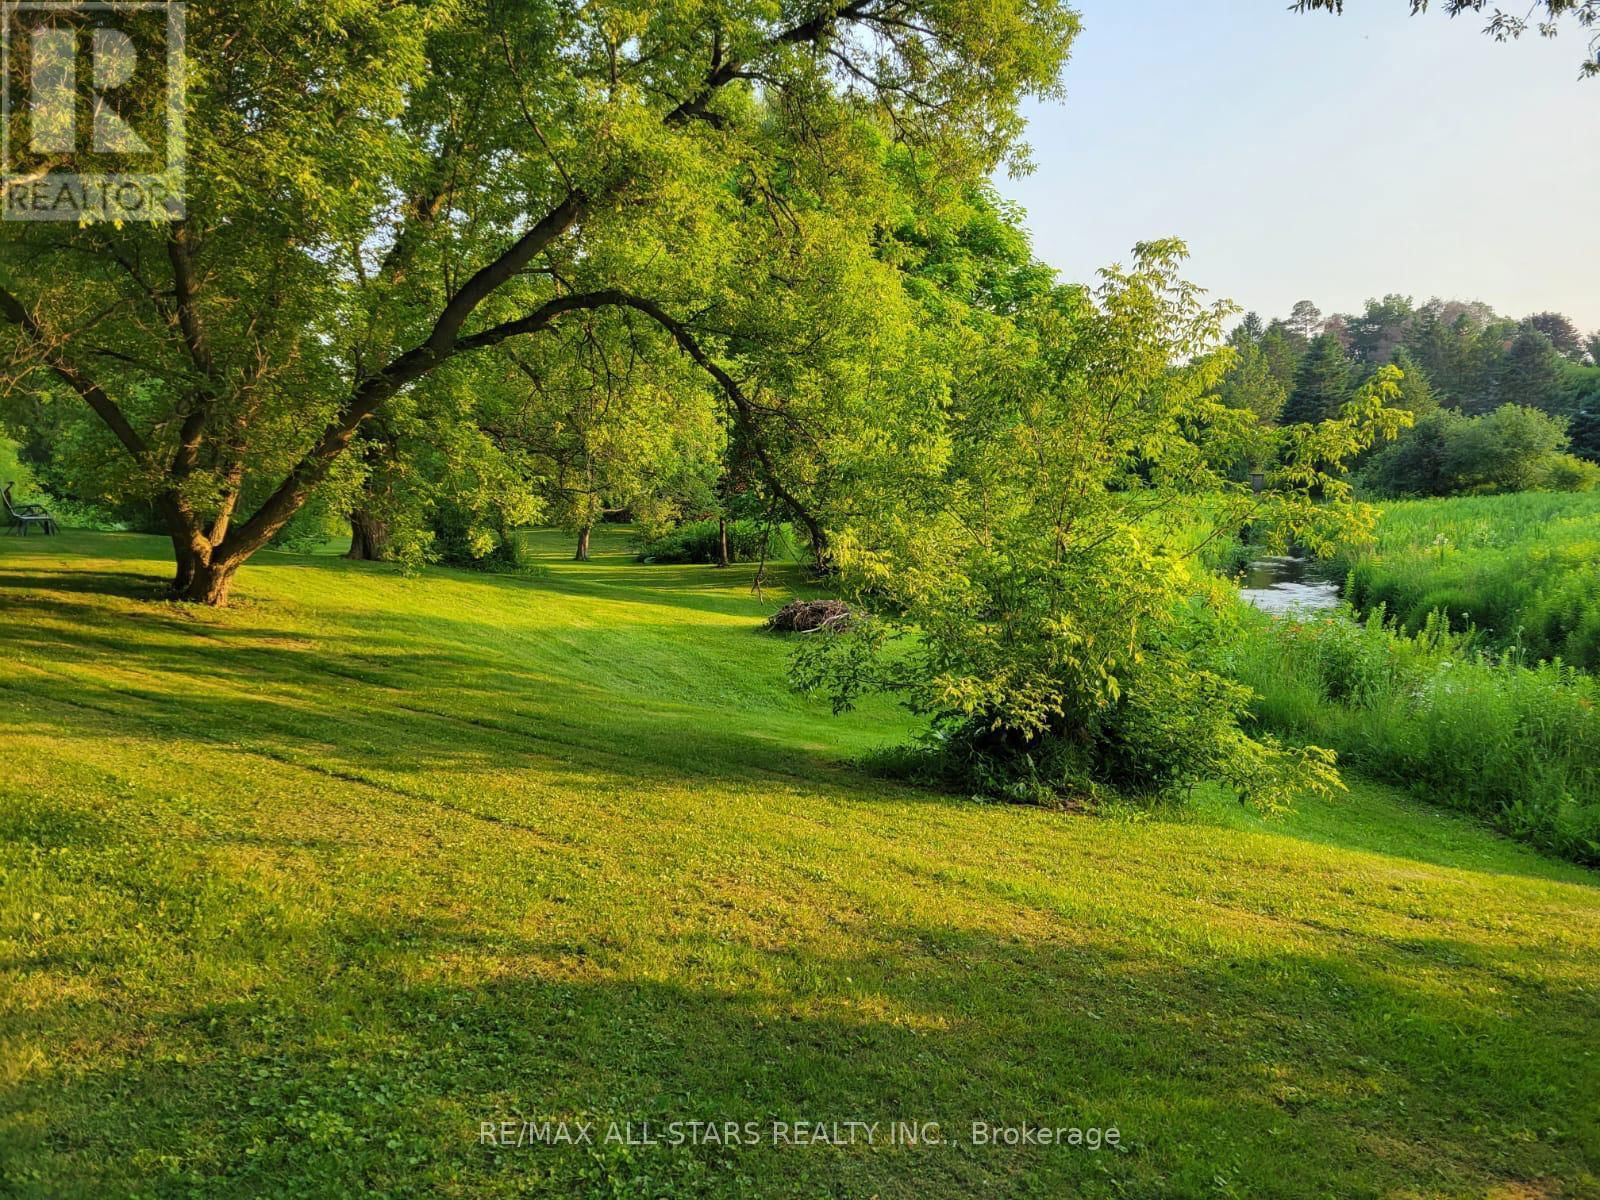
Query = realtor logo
x=91 y=114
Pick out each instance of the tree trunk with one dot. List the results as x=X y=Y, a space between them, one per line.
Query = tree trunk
x=201 y=574
x=822 y=563
x=583 y=545
x=722 y=541
x=210 y=583
x=185 y=565
x=369 y=536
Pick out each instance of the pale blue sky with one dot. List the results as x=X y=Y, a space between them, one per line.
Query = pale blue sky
x=1324 y=158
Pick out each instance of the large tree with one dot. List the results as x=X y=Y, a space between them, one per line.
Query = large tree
x=1380 y=329
x=1305 y=318
x=1563 y=334
x=379 y=191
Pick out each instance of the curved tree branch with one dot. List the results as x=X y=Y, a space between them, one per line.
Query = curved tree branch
x=93 y=394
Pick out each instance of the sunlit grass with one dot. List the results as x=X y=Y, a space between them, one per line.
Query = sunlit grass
x=1524 y=569
x=297 y=894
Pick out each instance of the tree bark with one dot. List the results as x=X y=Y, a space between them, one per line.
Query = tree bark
x=583 y=545
x=369 y=537
x=210 y=582
x=722 y=541
x=186 y=565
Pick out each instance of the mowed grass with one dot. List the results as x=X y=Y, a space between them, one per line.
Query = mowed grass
x=297 y=895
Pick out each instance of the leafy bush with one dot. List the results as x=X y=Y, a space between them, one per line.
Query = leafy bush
x=69 y=513
x=1430 y=710
x=475 y=540
x=1445 y=453
x=1569 y=473
x=14 y=470
x=1031 y=552
x=697 y=542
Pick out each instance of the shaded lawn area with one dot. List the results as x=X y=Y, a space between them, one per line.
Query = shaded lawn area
x=297 y=895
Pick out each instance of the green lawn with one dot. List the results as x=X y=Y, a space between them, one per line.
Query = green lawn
x=295 y=896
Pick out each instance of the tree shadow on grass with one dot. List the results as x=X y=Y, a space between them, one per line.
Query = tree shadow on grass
x=368 y=1061
x=123 y=584
x=429 y=717
x=379 y=691
x=447 y=698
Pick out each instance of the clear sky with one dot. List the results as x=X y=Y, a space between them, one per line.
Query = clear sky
x=1324 y=158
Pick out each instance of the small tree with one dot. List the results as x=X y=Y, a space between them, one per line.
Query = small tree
x=1249 y=384
x=1035 y=549
x=1585 y=434
x=1416 y=394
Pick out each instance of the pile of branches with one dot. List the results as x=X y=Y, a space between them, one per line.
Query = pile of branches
x=810 y=616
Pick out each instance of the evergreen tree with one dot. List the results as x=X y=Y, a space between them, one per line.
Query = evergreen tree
x=1305 y=318
x=1593 y=343
x=1529 y=373
x=1478 y=389
x=1248 y=331
x=1417 y=395
x=1444 y=340
x=1585 y=434
x=1251 y=385
x=1321 y=385
x=1282 y=348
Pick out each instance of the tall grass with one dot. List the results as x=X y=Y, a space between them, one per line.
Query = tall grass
x=1523 y=568
x=1457 y=725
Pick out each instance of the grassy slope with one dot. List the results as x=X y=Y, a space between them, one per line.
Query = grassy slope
x=294 y=896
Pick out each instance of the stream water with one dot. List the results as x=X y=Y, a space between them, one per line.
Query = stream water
x=1281 y=585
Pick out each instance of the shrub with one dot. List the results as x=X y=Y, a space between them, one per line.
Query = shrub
x=475 y=540
x=1031 y=561
x=1569 y=473
x=697 y=542
x=1446 y=453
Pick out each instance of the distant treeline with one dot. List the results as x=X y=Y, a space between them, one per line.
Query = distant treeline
x=1463 y=363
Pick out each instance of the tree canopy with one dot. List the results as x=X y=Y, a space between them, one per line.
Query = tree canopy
x=379 y=195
